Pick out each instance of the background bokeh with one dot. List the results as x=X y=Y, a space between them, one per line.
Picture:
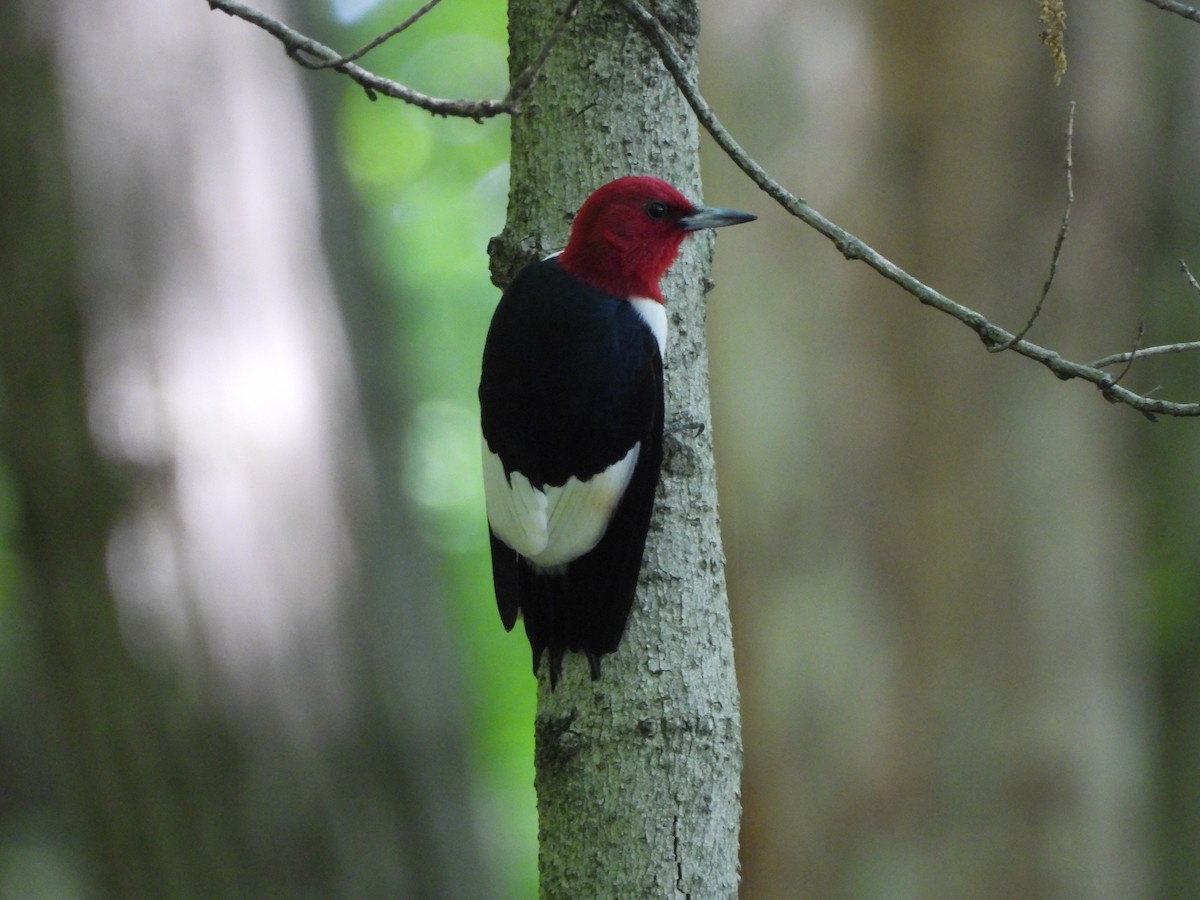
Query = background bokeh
x=964 y=594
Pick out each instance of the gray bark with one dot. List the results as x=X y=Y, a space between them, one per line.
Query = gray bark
x=637 y=774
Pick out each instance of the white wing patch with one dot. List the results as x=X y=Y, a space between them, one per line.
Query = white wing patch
x=552 y=526
x=654 y=314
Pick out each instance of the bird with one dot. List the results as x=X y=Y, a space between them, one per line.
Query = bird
x=571 y=414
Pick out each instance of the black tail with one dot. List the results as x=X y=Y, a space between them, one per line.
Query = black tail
x=556 y=621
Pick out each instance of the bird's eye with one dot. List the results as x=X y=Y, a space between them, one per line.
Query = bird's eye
x=656 y=210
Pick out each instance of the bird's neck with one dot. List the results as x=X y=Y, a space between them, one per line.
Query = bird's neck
x=620 y=271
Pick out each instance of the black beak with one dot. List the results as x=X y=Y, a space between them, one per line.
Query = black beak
x=713 y=217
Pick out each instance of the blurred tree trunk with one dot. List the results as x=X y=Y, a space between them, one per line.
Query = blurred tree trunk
x=637 y=774
x=992 y=529
x=1166 y=465
x=247 y=683
x=111 y=718
x=934 y=558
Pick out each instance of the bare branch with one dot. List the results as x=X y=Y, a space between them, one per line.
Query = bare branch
x=315 y=55
x=1180 y=9
x=1058 y=242
x=1114 y=359
x=363 y=51
x=854 y=249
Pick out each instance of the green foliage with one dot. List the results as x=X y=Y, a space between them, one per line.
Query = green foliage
x=435 y=192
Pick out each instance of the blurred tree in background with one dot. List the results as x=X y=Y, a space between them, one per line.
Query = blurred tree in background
x=229 y=669
x=247 y=640
x=957 y=584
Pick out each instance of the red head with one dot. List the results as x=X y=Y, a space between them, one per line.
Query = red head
x=628 y=232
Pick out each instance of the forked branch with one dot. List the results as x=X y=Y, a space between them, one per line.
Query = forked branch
x=369 y=46
x=315 y=55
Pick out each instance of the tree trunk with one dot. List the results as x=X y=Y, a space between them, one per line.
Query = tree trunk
x=262 y=702
x=637 y=774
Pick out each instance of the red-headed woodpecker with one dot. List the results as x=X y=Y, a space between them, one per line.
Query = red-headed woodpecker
x=572 y=410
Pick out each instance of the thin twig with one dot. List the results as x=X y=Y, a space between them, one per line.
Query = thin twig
x=1133 y=354
x=1181 y=347
x=1107 y=389
x=1180 y=9
x=296 y=43
x=1164 y=349
x=364 y=50
x=854 y=249
x=1058 y=242
x=1187 y=273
